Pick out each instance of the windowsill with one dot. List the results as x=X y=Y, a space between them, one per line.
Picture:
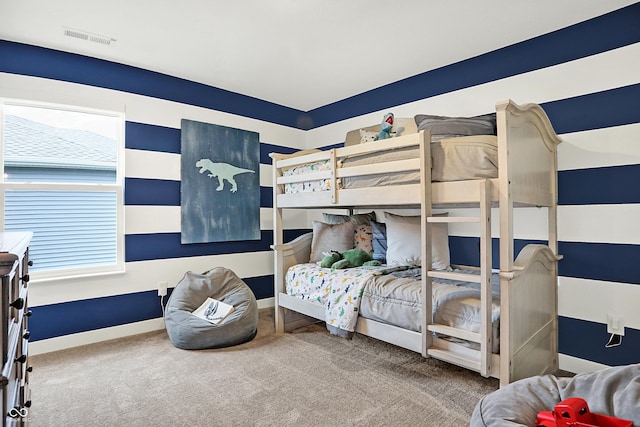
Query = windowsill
x=36 y=279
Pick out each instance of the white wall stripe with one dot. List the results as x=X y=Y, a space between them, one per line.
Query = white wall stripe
x=578 y=366
x=144 y=276
x=157 y=165
x=166 y=219
x=580 y=223
x=600 y=223
x=152 y=165
x=596 y=148
x=592 y=300
x=586 y=75
x=139 y=108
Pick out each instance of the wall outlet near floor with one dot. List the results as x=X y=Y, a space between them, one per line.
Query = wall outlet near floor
x=162 y=289
x=615 y=324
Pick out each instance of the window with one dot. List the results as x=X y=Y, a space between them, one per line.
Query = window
x=62 y=179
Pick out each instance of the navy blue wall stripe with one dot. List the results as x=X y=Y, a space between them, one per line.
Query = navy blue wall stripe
x=166 y=192
x=67 y=318
x=465 y=250
x=586 y=340
x=599 y=261
x=262 y=286
x=603 y=33
x=599 y=185
x=265 y=149
x=18 y=58
x=588 y=111
x=71 y=317
x=574 y=114
x=143 y=247
x=142 y=136
x=610 y=31
x=266 y=197
x=595 y=261
x=585 y=112
x=575 y=187
x=151 y=192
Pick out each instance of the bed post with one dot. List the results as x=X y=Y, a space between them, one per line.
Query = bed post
x=527 y=174
x=486 y=297
x=425 y=238
x=504 y=178
x=278 y=279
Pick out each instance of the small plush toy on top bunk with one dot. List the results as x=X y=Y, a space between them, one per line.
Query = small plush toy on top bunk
x=385 y=127
x=385 y=130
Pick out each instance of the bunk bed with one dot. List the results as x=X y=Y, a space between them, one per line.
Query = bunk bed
x=524 y=288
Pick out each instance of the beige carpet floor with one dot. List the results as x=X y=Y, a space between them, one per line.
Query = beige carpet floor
x=304 y=378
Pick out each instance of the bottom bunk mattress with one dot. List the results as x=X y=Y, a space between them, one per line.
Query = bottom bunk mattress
x=391 y=295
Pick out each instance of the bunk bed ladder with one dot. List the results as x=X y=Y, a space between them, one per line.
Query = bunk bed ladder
x=479 y=361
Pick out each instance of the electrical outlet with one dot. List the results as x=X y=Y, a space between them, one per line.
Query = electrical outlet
x=615 y=324
x=162 y=289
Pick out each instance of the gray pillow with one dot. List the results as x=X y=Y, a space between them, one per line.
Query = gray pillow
x=447 y=127
x=358 y=219
x=330 y=237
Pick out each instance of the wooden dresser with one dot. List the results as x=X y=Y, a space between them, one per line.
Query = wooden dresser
x=14 y=381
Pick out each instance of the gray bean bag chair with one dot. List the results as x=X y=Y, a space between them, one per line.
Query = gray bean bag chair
x=612 y=391
x=190 y=332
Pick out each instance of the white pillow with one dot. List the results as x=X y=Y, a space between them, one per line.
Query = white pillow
x=403 y=241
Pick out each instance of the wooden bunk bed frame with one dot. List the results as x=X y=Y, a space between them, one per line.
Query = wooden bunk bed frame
x=527 y=176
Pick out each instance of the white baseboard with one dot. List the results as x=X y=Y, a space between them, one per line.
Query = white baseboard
x=92 y=337
x=105 y=334
x=579 y=366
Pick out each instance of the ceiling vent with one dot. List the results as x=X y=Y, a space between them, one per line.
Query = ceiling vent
x=84 y=35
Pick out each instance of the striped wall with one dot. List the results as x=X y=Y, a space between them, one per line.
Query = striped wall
x=77 y=311
x=587 y=77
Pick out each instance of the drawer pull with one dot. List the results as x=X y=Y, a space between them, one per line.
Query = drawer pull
x=18 y=304
x=30 y=263
x=25 y=278
x=26 y=335
x=28 y=313
x=30 y=369
x=21 y=359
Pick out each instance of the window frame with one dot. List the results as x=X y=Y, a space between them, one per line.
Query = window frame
x=117 y=188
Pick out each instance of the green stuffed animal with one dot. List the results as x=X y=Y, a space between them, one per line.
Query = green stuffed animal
x=349 y=258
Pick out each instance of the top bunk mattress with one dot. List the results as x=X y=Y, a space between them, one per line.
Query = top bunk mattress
x=452 y=159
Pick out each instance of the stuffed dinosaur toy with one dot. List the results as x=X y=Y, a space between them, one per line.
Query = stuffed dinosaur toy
x=349 y=258
x=385 y=128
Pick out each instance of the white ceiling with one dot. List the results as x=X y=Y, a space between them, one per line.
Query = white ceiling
x=299 y=53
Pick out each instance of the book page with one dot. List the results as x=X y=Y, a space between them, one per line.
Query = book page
x=213 y=311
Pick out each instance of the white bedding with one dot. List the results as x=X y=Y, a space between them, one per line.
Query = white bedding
x=395 y=298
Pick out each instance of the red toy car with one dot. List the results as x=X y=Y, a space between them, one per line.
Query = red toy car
x=574 y=412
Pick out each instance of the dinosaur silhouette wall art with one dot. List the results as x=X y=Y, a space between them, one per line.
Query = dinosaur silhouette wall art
x=223 y=171
x=219 y=184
